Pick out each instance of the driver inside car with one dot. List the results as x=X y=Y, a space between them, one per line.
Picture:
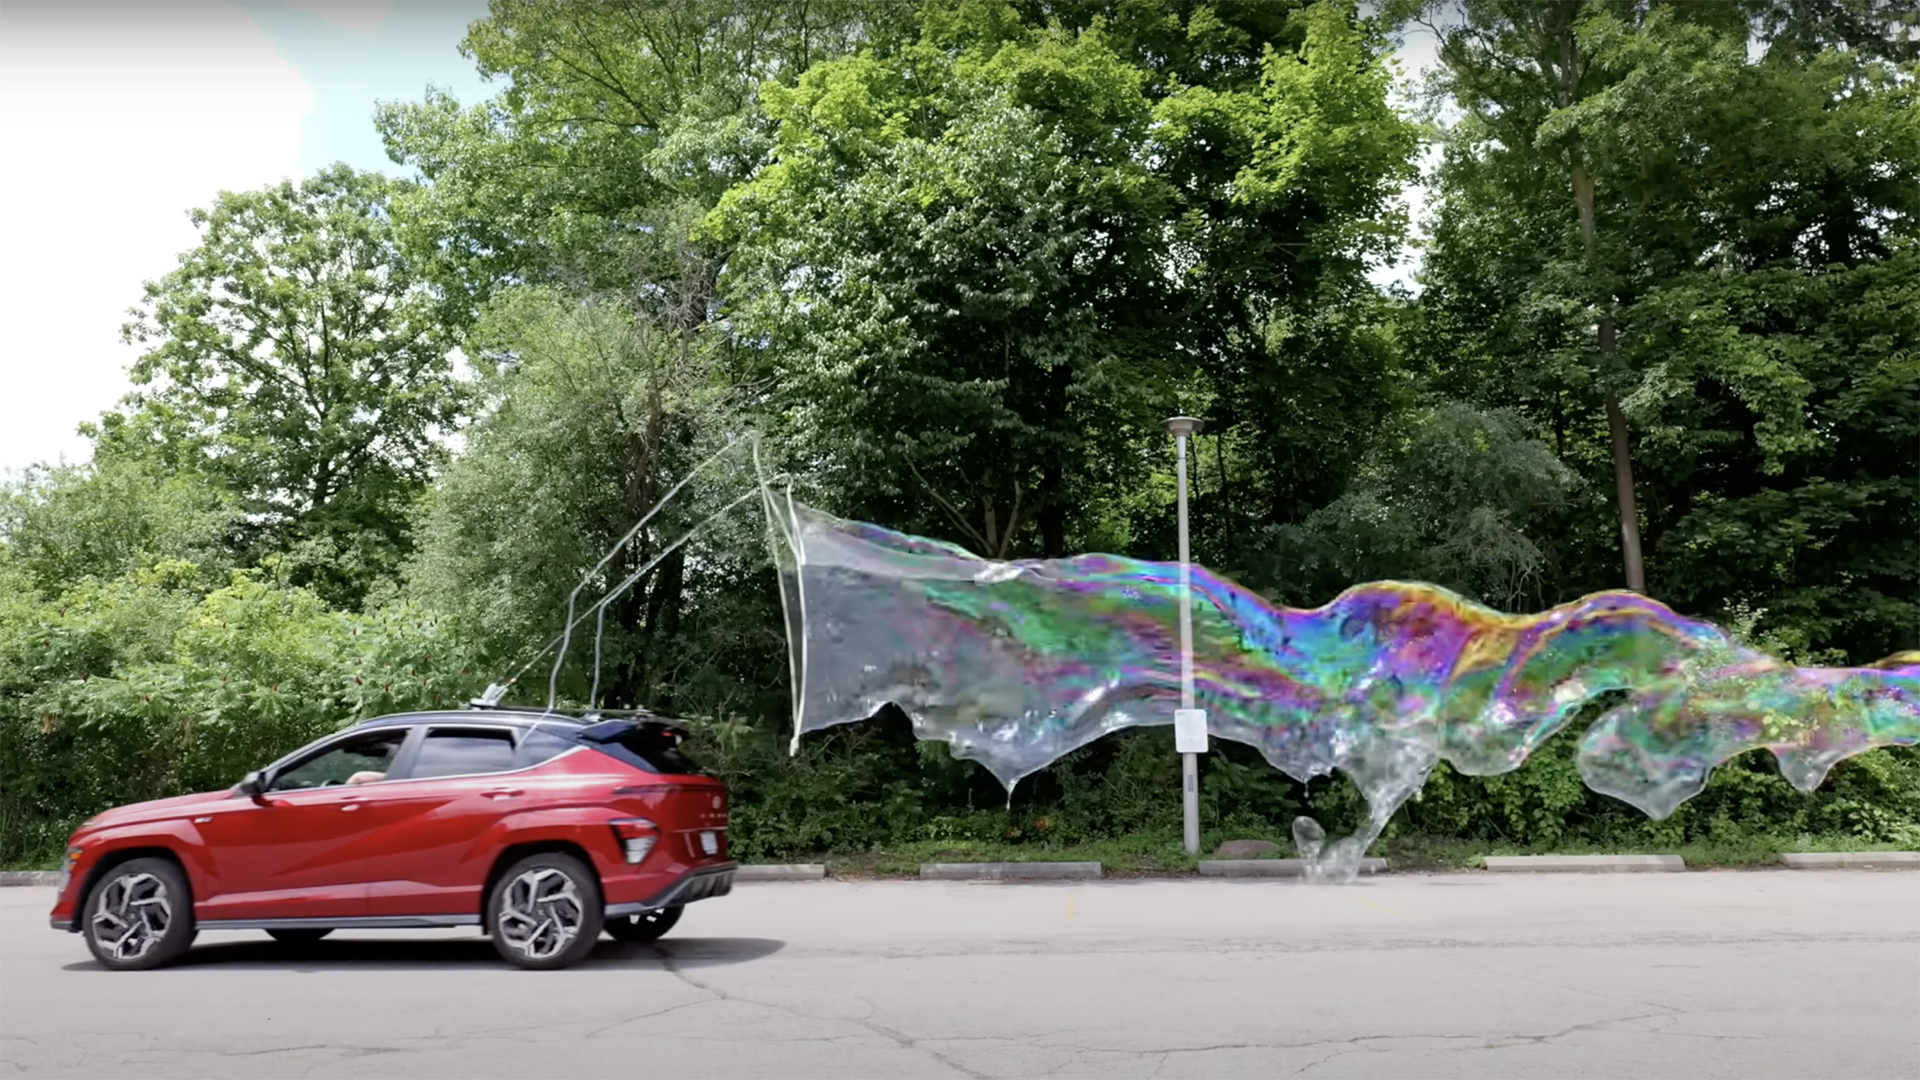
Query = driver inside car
x=365 y=778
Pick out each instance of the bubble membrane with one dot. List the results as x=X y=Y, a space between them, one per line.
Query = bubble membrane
x=1016 y=664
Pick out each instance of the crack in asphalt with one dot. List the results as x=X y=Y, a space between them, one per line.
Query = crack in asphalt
x=904 y=1041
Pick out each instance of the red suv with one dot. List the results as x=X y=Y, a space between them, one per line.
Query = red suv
x=541 y=829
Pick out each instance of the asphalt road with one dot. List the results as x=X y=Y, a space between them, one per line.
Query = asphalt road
x=1748 y=975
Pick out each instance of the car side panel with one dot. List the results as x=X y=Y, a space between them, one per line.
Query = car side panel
x=436 y=860
x=296 y=858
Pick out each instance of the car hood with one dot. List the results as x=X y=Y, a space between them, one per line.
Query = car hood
x=155 y=809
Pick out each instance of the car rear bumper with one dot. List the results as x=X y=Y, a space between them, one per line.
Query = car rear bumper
x=702 y=884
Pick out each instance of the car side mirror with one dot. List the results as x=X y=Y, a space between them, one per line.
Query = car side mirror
x=254 y=786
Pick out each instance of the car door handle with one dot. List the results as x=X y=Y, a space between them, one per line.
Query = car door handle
x=503 y=793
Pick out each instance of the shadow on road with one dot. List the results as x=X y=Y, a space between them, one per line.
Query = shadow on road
x=361 y=954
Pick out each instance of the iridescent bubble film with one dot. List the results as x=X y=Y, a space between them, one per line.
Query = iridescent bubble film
x=1017 y=664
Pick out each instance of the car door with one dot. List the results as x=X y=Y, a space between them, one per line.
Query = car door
x=299 y=853
x=452 y=790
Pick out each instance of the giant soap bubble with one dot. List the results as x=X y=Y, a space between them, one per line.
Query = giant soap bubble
x=1019 y=663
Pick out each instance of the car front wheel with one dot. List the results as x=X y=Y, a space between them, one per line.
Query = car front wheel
x=545 y=912
x=644 y=927
x=139 y=915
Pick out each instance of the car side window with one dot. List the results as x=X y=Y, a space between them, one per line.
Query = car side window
x=448 y=751
x=540 y=744
x=358 y=760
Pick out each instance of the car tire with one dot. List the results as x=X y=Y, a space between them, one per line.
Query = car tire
x=644 y=927
x=298 y=935
x=545 y=912
x=139 y=915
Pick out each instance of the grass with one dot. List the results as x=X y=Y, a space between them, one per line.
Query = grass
x=1154 y=855
x=1131 y=856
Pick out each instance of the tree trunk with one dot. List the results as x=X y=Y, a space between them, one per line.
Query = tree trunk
x=662 y=630
x=1053 y=510
x=1616 y=420
x=1623 y=493
x=1053 y=475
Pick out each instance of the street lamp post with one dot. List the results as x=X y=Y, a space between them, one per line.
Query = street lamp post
x=1189 y=723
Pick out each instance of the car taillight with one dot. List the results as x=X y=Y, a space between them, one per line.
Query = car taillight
x=637 y=837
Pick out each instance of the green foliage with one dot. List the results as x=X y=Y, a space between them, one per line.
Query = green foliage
x=985 y=263
x=295 y=361
x=1458 y=497
x=59 y=524
x=136 y=688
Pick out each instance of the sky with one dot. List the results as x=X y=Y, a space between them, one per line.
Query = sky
x=123 y=116
x=126 y=115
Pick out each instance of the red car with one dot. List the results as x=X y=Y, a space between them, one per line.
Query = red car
x=541 y=829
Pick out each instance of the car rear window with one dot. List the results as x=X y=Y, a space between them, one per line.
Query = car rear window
x=649 y=745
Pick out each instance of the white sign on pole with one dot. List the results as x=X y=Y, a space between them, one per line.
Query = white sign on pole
x=1190 y=731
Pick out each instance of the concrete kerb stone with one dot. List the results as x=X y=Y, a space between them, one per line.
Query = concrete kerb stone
x=780 y=872
x=1561 y=864
x=1009 y=871
x=1833 y=860
x=1271 y=867
x=1808 y=860
x=29 y=877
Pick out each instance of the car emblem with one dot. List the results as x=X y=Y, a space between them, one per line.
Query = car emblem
x=716 y=802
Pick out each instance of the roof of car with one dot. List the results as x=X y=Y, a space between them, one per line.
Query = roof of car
x=498 y=715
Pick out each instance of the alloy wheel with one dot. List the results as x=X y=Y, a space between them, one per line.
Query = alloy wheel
x=541 y=913
x=132 y=916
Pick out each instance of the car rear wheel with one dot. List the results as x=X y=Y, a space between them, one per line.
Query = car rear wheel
x=545 y=912
x=288 y=935
x=139 y=915
x=644 y=927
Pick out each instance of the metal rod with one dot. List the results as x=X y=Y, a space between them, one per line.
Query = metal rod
x=1189 y=762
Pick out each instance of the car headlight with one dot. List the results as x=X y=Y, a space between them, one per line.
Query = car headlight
x=66 y=868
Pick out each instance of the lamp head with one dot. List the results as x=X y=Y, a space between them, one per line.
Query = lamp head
x=1184 y=425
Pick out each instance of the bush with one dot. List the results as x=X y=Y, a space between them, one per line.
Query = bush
x=142 y=687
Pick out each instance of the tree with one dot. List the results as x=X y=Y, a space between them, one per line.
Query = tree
x=295 y=359
x=1464 y=499
x=614 y=118
x=592 y=413
x=1519 y=70
x=986 y=261
x=1750 y=259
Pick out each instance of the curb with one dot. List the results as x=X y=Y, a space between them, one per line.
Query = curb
x=1002 y=871
x=1558 y=864
x=1271 y=867
x=29 y=877
x=1825 y=860
x=780 y=872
